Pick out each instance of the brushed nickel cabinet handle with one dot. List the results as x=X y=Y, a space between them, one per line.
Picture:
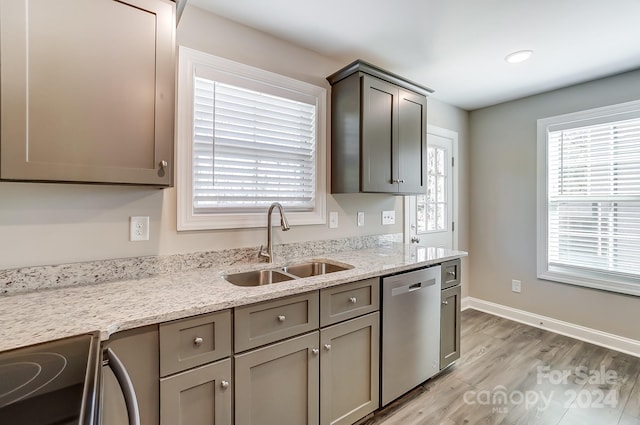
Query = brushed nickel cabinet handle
x=315 y=351
x=327 y=347
x=445 y=302
x=282 y=318
x=353 y=300
x=224 y=384
x=164 y=164
x=198 y=341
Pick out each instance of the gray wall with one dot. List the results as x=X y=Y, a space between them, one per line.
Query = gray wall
x=502 y=191
x=53 y=223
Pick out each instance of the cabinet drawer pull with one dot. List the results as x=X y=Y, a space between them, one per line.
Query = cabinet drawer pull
x=327 y=347
x=224 y=384
x=445 y=302
x=451 y=274
x=198 y=341
x=315 y=351
x=163 y=164
x=353 y=300
x=282 y=318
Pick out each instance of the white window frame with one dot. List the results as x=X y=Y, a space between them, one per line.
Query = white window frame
x=187 y=220
x=587 y=278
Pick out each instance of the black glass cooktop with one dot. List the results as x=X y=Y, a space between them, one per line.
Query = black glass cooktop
x=49 y=384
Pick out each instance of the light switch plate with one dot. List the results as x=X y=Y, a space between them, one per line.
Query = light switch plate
x=360 y=218
x=139 y=228
x=333 y=219
x=388 y=217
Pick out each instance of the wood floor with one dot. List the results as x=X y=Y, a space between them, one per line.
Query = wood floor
x=511 y=373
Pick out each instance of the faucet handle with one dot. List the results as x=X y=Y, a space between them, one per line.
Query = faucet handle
x=263 y=254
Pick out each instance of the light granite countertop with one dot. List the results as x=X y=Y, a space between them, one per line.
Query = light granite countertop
x=42 y=316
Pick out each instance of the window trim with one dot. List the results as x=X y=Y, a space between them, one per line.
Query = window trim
x=587 y=278
x=188 y=60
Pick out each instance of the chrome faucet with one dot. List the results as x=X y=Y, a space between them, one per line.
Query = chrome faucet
x=268 y=254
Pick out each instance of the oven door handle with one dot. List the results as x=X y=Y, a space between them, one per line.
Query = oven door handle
x=129 y=393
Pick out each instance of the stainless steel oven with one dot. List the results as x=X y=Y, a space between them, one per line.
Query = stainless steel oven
x=59 y=383
x=54 y=383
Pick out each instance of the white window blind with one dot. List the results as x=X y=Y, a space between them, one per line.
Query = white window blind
x=593 y=198
x=251 y=149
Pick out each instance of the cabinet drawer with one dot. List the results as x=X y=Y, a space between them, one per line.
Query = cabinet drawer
x=451 y=273
x=262 y=323
x=348 y=301
x=194 y=341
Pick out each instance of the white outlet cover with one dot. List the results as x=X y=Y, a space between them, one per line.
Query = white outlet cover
x=360 y=218
x=139 y=228
x=388 y=217
x=516 y=286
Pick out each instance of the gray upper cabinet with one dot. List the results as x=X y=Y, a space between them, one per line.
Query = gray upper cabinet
x=378 y=132
x=87 y=91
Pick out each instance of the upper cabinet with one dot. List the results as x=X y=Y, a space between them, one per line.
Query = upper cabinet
x=378 y=132
x=87 y=91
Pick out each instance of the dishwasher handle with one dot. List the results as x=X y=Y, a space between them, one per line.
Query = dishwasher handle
x=412 y=287
x=129 y=393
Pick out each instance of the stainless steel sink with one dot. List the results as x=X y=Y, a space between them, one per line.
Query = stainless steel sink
x=257 y=278
x=314 y=268
x=269 y=276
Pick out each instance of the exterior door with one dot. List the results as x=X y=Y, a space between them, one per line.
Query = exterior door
x=430 y=217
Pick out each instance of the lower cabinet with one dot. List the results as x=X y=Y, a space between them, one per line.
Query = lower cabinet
x=349 y=370
x=200 y=396
x=278 y=384
x=324 y=377
x=450 y=326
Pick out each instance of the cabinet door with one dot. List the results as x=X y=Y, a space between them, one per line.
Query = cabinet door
x=412 y=142
x=379 y=135
x=450 y=326
x=200 y=396
x=87 y=91
x=349 y=365
x=278 y=384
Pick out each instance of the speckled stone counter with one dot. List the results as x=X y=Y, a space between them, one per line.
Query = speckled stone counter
x=35 y=317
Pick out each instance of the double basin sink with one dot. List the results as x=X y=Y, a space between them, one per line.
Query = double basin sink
x=283 y=274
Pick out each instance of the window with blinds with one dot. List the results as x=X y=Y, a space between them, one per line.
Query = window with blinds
x=251 y=149
x=246 y=138
x=593 y=199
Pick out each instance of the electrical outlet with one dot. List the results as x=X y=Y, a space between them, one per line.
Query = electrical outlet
x=139 y=228
x=516 y=286
x=388 y=217
x=360 y=218
x=333 y=220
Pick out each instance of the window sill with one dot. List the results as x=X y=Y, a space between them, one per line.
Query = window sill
x=593 y=280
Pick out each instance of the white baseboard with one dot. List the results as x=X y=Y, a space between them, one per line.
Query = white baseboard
x=593 y=336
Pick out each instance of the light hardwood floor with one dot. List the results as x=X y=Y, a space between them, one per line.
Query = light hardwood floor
x=513 y=374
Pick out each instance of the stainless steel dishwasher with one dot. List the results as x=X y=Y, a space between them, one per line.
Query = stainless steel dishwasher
x=410 y=330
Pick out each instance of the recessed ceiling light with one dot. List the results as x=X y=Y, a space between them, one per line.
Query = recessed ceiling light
x=520 y=56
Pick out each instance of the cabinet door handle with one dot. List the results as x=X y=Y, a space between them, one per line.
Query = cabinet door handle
x=353 y=300
x=452 y=274
x=445 y=302
x=198 y=341
x=282 y=318
x=315 y=351
x=327 y=347
x=163 y=164
x=224 y=384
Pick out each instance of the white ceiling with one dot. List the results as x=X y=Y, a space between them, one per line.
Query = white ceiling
x=457 y=47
